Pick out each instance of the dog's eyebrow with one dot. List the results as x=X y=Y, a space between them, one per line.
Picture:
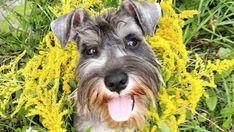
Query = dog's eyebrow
x=124 y=28
x=133 y=35
x=89 y=36
x=89 y=42
x=118 y=23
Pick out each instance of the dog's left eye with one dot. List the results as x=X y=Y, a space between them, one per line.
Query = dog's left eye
x=131 y=41
x=131 y=44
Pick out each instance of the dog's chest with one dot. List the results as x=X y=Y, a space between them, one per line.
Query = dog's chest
x=98 y=126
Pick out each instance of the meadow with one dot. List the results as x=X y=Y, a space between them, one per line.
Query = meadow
x=207 y=35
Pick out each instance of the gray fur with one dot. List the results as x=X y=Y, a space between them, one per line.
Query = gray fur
x=107 y=33
x=65 y=26
x=146 y=14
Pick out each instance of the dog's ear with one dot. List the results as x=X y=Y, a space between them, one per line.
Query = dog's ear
x=65 y=26
x=147 y=14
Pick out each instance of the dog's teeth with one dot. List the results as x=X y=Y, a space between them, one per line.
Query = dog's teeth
x=133 y=102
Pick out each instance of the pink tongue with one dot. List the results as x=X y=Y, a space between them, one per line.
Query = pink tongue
x=120 y=108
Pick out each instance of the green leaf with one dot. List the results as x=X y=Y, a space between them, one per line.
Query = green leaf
x=111 y=3
x=212 y=101
x=164 y=128
x=194 y=128
x=73 y=83
x=88 y=130
x=227 y=111
x=189 y=4
x=189 y=115
x=4 y=28
x=227 y=123
x=224 y=74
x=22 y=112
x=21 y=129
x=226 y=53
x=21 y=9
x=202 y=117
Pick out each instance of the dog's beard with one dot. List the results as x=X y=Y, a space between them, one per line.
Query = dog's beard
x=127 y=109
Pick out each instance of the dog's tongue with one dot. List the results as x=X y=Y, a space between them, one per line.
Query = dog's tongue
x=120 y=108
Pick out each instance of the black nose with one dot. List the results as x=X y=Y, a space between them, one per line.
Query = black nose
x=116 y=81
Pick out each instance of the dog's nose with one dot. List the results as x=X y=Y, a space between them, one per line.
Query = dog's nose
x=116 y=81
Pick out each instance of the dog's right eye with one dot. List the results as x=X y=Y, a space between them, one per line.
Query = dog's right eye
x=91 y=51
x=131 y=43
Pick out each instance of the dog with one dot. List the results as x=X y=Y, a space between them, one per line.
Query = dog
x=119 y=75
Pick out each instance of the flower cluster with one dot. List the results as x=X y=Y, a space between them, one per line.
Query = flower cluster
x=44 y=89
x=185 y=79
x=93 y=7
x=44 y=73
x=9 y=85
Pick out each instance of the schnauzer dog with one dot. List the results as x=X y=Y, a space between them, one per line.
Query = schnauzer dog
x=118 y=72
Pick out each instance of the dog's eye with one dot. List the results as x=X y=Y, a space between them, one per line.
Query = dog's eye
x=91 y=51
x=131 y=41
x=131 y=44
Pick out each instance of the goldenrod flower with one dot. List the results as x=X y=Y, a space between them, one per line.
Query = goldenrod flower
x=184 y=89
x=68 y=6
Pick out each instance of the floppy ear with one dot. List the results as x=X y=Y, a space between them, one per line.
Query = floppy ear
x=146 y=13
x=65 y=26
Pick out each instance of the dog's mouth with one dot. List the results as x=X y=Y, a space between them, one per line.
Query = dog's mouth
x=120 y=108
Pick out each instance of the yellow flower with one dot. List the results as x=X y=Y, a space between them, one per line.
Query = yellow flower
x=187 y=14
x=68 y=6
x=43 y=74
x=184 y=88
x=9 y=84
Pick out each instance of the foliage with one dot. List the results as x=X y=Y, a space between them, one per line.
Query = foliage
x=184 y=84
x=93 y=7
x=39 y=90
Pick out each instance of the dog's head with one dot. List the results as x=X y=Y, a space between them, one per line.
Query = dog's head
x=118 y=72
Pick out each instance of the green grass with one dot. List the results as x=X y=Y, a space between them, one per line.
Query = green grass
x=32 y=18
x=211 y=34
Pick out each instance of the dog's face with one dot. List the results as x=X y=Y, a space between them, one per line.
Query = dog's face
x=118 y=72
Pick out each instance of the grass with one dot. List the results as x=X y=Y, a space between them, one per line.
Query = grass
x=31 y=19
x=211 y=34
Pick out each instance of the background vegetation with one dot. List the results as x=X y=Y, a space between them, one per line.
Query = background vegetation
x=24 y=23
